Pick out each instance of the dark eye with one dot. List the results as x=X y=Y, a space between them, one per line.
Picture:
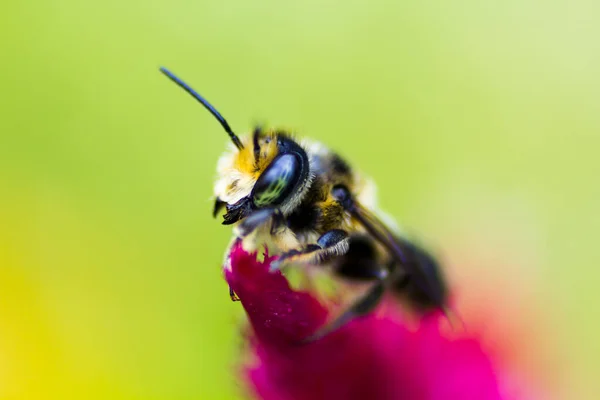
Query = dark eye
x=278 y=181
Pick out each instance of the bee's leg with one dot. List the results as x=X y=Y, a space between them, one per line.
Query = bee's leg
x=359 y=263
x=363 y=306
x=258 y=218
x=331 y=243
x=232 y=295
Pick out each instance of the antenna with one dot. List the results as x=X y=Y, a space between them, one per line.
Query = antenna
x=236 y=140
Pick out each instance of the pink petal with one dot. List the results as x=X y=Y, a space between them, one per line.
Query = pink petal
x=380 y=356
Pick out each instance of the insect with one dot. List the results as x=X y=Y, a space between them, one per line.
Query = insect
x=306 y=204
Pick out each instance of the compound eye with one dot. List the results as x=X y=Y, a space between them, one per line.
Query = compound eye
x=278 y=181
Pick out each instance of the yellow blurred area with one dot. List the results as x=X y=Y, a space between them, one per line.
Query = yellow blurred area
x=479 y=121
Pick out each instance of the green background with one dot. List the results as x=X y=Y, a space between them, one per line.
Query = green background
x=479 y=121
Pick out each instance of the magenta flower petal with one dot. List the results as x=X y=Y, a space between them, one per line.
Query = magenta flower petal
x=379 y=356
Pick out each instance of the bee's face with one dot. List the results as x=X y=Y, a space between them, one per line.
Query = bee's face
x=271 y=170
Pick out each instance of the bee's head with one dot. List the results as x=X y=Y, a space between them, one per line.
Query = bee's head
x=271 y=170
x=264 y=169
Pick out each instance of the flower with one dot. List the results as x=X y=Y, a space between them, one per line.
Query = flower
x=379 y=356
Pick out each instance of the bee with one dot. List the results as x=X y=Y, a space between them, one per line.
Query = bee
x=306 y=204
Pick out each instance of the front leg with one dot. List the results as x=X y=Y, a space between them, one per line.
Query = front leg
x=331 y=243
x=257 y=219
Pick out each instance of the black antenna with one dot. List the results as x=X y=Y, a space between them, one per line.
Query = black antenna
x=236 y=140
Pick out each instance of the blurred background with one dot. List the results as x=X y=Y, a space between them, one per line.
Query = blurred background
x=479 y=121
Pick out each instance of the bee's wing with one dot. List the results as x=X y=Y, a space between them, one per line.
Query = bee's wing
x=401 y=252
